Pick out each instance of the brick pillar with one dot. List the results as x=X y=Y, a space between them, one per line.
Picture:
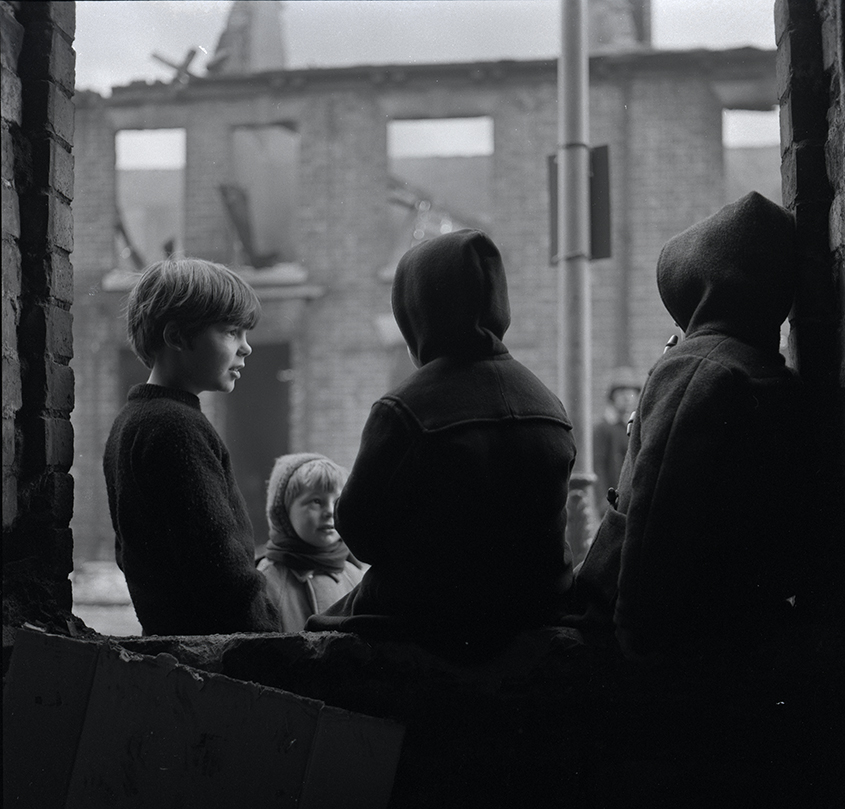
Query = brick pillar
x=810 y=89
x=38 y=66
x=10 y=110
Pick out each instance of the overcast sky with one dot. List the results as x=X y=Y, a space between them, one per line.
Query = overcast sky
x=115 y=39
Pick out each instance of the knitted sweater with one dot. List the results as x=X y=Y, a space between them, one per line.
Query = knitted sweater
x=182 y=534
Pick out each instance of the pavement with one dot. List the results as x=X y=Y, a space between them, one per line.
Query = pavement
x=101 y=599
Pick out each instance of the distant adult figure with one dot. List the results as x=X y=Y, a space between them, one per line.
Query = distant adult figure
x=701 y=543
x=457 y=498
x=610 y=435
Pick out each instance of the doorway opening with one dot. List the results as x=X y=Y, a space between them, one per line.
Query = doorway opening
x=257 y=426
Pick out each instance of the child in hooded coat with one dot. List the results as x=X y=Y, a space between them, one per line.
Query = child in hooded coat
x=457 y=498
x=309 y=569
x=701 y=541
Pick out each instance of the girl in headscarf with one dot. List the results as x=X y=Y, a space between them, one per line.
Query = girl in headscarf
x=306 y=563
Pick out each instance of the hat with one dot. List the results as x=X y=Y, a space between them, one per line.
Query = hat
x=283 y=469
x=624 y=377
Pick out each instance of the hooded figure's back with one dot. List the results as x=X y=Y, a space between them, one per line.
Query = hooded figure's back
x=710 y=492
x=458 y=495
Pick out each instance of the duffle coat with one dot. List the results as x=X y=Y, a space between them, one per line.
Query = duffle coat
x=457 y=498
x=703 y=538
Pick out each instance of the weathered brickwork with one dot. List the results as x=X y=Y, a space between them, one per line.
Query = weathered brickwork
x=658 y=113
x=38 y=71
x=833 y=49
x=12 y=41
x=831 y=18
x=344 y=146
x=810 y=89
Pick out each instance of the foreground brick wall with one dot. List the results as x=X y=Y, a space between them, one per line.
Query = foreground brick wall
x=550 y=723
x=12 y=41
x=38 y=65
x=812 y=114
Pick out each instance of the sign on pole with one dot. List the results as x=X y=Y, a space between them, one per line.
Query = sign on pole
x=600 y=239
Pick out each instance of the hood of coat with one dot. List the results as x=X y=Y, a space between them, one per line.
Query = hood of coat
x=733 y=273
x=450 y=297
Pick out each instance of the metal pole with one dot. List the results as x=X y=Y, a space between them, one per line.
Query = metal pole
x=574 y=301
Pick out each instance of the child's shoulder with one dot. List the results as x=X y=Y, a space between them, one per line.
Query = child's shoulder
x=164 y=401
x=167 y=405
x=164 y=415
x=725 y=355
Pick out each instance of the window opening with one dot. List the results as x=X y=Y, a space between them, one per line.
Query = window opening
x=751 y=144
x=150 y=168
x=263 y=199
x=440 y=177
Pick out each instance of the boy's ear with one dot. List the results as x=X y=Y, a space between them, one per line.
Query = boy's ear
x=173 y=338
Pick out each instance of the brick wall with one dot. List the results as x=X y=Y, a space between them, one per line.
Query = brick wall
x=833 y=48
x=12 y=42
x=38 y=72
x=812 y=115
x=807 y=84
x=344 y=163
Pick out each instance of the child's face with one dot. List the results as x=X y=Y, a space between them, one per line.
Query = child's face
x=213 y=358
x=312 y=517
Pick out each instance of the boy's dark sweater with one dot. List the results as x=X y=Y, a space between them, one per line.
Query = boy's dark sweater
x=182 y=534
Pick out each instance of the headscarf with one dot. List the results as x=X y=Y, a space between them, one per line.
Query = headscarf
x=284 y=545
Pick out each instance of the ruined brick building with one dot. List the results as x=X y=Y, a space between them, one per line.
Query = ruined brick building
x=289 y=175
x=47 y=301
